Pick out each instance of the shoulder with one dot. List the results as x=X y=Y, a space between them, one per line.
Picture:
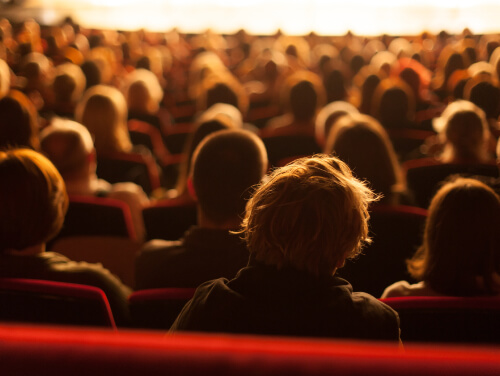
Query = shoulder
x=210 y=309
x=128 y=192
x=403 y=288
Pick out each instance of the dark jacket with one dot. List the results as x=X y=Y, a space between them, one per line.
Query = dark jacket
x=264 y=300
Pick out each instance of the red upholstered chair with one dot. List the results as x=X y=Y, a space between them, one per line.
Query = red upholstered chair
x=407 y=142
x=39 y=301
x=143 y=133
x=97 y=216
x=169 y=219
x=425 y=175
x=396 y=232
x=158 y=308
x=27 y=350
x=137 y=168
x=448 y=319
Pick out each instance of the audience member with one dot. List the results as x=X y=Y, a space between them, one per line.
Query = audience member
x=18 y=121
x=103 y=110
x=362 y=143
x=300 y=226
x=70 y=148
x=225 y=165
x=33 y=205
x=464 y=133
x=460 y=254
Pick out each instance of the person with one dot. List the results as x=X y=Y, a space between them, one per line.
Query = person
x=361 y=142
x=225 y=165
x=464 y=133
x=460 y=254
x=303 y=96
x=18 y=121
x=103 y=110
x=70 y=148
x=300 y=226
x=33 y=202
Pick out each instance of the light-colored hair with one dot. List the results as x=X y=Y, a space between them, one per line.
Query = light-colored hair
x=103 y=111
x=143 y=91
x=33 y=199
x=69 y=83
x=68 y=145
x=464 y=127
x=461 y=240
x=311 y=215
x=4 y=78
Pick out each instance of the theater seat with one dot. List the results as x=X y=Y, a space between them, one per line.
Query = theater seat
x=396 y=233
x=97 y=216
x=448 y=319
x=138 y=168
x=169 y=219
x=49 y=302
x=425 y=175
x=158 y=308
x=42 y=351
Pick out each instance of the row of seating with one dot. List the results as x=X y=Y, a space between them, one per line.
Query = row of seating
x=424 y=319
x=79 y=352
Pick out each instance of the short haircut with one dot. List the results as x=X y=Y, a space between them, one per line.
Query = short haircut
x=311 y=215
x=225 y=166
x=68 y=145
x=461 y=240
x=303 y=94
x=33 y=199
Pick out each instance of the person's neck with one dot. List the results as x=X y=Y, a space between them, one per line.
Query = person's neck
x=205 y=222
x=82 y=185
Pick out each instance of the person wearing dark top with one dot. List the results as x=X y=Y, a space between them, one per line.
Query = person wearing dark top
x=225 y=165
x=300 y=226
x=33 y=203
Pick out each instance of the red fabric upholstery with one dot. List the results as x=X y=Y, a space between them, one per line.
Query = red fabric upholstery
x=97 y=216
x=448 y=319
x=49 y=301
x=158 y=308
x=46 y=351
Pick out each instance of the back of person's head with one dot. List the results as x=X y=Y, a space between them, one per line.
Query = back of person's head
x=103 y=110
x=464 y=130
x=143 y=91
x=69 y=147
x=69 y=83
x=461 y=247
x=33 y=199
x=310 y=215
x=483 y=93
x=393 y=103
x=362 y=143
x=92 y=73
x=303 y=95
x=328 y=116
x=18 y=122
x=225 y=165
x=334 y=83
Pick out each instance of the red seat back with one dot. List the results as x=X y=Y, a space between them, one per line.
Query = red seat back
x=40 y=301
x=158 y=308
x=448 y=319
